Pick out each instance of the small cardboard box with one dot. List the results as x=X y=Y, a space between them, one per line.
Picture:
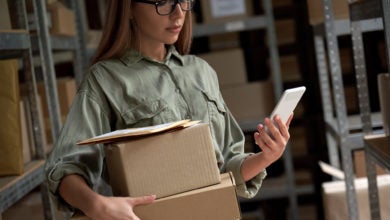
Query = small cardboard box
x=335 y=199
x=216 y=202
x=250 y=101
x=163 y=164
x=62 y=20
x=229 y=66
x=66 y=89
x=219 y=11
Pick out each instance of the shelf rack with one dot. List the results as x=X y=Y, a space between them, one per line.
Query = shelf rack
x=339 y=128
x=17 y=44
x=21 y=44
x=360 y=11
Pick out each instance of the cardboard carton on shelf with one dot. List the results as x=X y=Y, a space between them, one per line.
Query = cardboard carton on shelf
x=162 y=160
x=335 y=198
x=62 y=20
x=217 y=202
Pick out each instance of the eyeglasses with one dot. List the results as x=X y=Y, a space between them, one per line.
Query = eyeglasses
x=166 y=7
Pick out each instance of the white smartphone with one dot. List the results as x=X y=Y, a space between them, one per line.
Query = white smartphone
x=288 y=102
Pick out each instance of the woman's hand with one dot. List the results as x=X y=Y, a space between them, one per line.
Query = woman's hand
x=273 y=141
x=112 y=208
x=74 y=190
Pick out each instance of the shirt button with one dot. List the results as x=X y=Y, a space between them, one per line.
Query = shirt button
x=177 y=90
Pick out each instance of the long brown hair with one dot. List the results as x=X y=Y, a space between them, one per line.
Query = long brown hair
x=119 y=34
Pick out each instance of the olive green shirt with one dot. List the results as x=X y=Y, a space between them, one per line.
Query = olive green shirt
x=136 y=91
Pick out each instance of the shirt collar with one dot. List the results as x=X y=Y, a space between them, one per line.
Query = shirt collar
x=133 y=56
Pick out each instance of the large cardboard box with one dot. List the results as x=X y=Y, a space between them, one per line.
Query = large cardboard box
x=229 y=65
x=163 y=164
x=218 y=11
x=250 y=101
x=62 y=20
x=11 y=149
x=217 y=202
x=335 y=201
x=316 y=10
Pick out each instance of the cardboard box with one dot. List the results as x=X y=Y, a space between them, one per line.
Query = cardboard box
x=11 y=149
x=219 y=11
x=316 y=10
x=285 y=31
x=335 y=201
x=66 y=88
x=217 y=202
x=163 y=164
x=250 y=101
x=224 y=41
x=229 y=65
x=289 y=66
x=62 y=20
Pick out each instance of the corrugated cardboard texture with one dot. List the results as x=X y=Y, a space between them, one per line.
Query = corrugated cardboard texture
x=250 y=101
x=217 y=202
x=164 y=164
x=11 y=155
x=232 y=74
x=335 y=201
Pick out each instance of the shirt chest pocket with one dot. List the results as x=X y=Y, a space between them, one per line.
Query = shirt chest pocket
x=148 y=113
x=216 y=111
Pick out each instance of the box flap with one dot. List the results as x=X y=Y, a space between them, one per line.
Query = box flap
x=132 y=132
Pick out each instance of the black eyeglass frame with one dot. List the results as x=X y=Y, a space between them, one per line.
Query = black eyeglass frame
x=157 y=4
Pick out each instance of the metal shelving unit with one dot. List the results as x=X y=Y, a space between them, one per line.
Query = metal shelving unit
x=21 y=44
x=286 y=187
x=339 y=127
x=17 y=44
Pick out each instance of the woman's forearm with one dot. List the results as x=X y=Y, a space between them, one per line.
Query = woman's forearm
x=75 y=191
x=252 y=166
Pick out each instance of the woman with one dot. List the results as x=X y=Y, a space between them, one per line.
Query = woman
x=142 y=76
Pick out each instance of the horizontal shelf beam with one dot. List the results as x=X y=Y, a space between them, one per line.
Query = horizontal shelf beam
x=57 y=43
x=343 y=26
x=362 y=10
x=257 y=22
x=14 y=40
x=13 y=188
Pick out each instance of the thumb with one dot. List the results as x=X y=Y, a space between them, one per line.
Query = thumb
x=142 y=200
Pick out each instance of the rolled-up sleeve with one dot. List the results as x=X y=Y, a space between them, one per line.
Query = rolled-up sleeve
x=234 y=156
x=86 y=118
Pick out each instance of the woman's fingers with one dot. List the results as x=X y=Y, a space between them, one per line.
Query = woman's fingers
x=142 y=200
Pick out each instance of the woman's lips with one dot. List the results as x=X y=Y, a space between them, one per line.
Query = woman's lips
x=174 y=29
